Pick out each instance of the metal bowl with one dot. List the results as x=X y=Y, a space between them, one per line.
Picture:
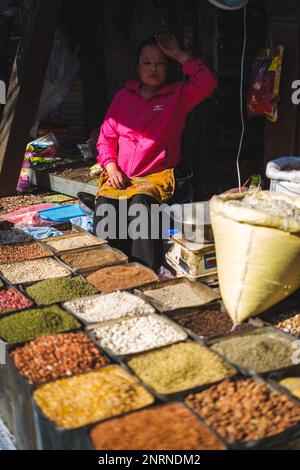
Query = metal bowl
x=192 y=220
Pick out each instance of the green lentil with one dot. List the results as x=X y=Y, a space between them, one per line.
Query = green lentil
x=180 y=367
x=94 y=182
x=260 y=350
x=56 y=198
x=30 y=324
x=57 y=290
x=90 y=397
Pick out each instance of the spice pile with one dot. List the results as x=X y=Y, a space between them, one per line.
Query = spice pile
x=33 y=270
x=260 y=350
x=99 y=257
x=182 y=294
x=80 y=174
x=90 y=397
x=245 y=410
x=21 y=252
x=272 y=207
x=166 y=427
x=211 y=324
x=121 y=277
x=56 y=290
x=56 y=198
x=13 y=203
x=287 y=321
x=30 y=324
x=180 y=367
x=137 y=334
x=73 y=242
x=12 y=236
x=51 y=357
x=111 y=306
x=11 y=299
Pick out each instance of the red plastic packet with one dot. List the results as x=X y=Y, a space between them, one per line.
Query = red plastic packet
x=263 y=95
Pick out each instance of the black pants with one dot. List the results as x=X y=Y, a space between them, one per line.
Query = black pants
x=147 y=251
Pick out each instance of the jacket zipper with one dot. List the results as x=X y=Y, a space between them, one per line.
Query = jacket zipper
x=132 y=160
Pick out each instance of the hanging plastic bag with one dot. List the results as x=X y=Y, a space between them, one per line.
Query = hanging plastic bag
x=263 y=95
x=257 y=237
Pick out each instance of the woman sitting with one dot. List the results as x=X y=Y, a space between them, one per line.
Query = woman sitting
x=140 y=144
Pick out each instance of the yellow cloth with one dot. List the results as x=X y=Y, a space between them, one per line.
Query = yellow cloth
x=160 y=186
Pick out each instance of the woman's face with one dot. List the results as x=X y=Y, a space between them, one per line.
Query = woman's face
x=153 y=67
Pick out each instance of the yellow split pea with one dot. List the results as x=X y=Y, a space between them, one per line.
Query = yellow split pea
x=90 y=397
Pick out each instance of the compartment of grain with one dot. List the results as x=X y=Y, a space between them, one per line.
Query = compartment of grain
x=133 y=335
x=262 y=350
x=64 y=408
x=45 y=359
x=173 y=371
x=72 y=242
x=177 y=294
x=253 y=415
x=121 y=277
x=94 y=258
x=103 y=307
x=24 y=272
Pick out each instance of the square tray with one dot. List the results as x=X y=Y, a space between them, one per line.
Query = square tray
x=90 y=269
x=94 y=240
x=206 y=294
x=90 y=330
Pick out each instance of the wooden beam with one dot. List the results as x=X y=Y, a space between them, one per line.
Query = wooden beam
x=25 y=89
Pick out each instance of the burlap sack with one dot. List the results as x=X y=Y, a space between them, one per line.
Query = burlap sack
x=258 y=254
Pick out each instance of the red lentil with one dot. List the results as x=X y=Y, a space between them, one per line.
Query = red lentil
x=11 y=299
x=51 y=357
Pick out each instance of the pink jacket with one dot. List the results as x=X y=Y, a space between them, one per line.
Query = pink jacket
x=143 y=136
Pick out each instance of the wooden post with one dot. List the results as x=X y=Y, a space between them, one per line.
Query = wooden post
x=25 y=89
x=200 y=140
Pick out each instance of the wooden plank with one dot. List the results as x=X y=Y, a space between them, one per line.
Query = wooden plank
x=25 y=89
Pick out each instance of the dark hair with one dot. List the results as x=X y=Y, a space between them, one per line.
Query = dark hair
x=147 y=42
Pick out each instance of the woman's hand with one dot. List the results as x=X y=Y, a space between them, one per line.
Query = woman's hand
x=116 y=178
x=170 y=47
